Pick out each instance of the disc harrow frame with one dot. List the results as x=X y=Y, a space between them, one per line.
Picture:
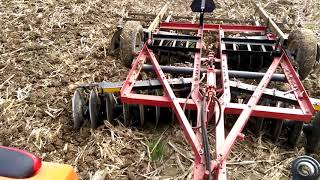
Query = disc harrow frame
x=210 y=86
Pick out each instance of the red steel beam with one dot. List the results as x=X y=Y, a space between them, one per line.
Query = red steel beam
x=213 y=27
x=125 y=93
x=152 y=100
x=230 y=108
x=226 y=97
x=189 y=133
x=295 y=84
x=199 y=163
x=270 y=112
x=245 y=114
x=196 y=76
x=133 y=74
x=223 y=145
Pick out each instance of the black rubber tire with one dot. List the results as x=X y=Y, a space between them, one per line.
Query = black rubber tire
x=131 y=41
x=115 y=43
x=303 y=44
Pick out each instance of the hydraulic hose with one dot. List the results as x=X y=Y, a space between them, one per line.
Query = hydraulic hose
x=205 y=138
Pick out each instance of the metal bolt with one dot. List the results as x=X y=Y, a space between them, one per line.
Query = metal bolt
x=200 y=151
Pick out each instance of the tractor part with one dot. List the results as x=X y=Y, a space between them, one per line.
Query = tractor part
x=131 y=41
x=302 y=43
x=19 y=164
x=312 y=133
x=305 y=168
x=78 y=109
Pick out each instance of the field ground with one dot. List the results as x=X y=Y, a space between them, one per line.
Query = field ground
x=48 y=47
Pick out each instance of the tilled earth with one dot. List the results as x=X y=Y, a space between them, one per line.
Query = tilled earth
x=48 y=47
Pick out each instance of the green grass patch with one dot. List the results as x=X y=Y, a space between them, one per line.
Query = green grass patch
x=157 y=151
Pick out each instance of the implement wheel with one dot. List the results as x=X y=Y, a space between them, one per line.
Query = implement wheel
x=305 y=168
x=115 y=42
x=131 y=41
x=302 y=43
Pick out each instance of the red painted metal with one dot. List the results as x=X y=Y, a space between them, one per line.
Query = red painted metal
x=144 y=55
x=199 y=171
x=295 y=83
x=245 y=114
x=270 y=112
x=224 y=143
x=230 y=108
x=213 y=27
x=225 y=98
x=161 y=101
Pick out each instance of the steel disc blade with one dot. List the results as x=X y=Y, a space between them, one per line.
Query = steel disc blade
x=141 y=113
x=294 y=133
x=78 y=104
x=278 y=125
x=157 y=115
x=173 y=115
x=126 y=115
x=238 y=62
x=277 y=130
x=250 y=62
x=158 y=93
x=261 y=62
x=312 y=134
x=94 y=109
x=260 y=125
x=110 y=103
